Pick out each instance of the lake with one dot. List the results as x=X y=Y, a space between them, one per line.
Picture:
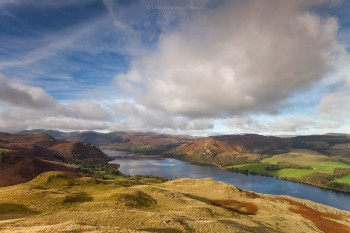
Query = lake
x=156 y=165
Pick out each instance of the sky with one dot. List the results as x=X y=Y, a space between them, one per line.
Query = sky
x=272 y=67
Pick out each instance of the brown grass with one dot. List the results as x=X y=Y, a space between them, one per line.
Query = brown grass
x=251 y=195
x=324 y=221
x=55 y=202
x=240 y=207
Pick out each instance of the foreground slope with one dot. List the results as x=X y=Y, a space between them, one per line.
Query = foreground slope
x=57 y=202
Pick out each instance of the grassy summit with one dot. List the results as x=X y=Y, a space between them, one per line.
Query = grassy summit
x=58 y=202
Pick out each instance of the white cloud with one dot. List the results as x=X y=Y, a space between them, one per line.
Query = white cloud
x=25 y=96
x=245 y=56
x=336 y=106
x=86 y=109
x=23 y=106
x=287 y=124
x=138 y=117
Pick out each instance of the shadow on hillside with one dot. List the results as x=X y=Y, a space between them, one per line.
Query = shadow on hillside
x=162 y=230
x=11 y=211
x=261 y=228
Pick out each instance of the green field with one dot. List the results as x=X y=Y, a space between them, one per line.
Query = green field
x=305 y=158
x=319 y=162
x=260 y=168
x=344 y=179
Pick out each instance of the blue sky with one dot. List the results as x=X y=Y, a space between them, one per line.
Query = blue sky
x=185 y=67
x=64 y=49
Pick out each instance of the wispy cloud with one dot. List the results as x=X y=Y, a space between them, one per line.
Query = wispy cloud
x=50 y=45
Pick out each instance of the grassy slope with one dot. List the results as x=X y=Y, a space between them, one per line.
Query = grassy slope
x=319 y=163
x=308 y=158
x=344 y=179
x=55 y=202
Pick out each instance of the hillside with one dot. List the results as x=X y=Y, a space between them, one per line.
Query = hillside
x=57 y=202
x=42 y=145
x=16 y=168
x=138 y=142
x=23 y=157
x=333 y=145
x=231 y=149
x=329 y=144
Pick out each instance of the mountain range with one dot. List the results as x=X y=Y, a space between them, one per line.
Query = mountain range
x=219 y=150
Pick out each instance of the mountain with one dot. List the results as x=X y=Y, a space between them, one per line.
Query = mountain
x=53 y=133
x=231 y=149
x=332 y=145
x=130 y=141
x=24 y=156
x=44 y=146
x=59 y=202
x=147 y=143
x=221 y=150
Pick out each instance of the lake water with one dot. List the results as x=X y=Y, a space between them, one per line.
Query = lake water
x=137 y=164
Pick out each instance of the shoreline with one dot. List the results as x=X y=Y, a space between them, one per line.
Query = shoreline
x=289 y=179
x=181 y=157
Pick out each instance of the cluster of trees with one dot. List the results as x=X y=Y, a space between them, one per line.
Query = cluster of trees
x=283 y=164
x=327 y=180
x=98 y=169
x=340 y=172
x=218 y=159
x=3 y=153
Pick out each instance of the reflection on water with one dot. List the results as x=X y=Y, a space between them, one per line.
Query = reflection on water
x=135 y=164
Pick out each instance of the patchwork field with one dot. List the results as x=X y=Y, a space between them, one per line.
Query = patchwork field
x=57 y=202
x=302 y=165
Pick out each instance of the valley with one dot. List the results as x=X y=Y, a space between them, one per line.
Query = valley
x=74 y=186
x=160 y=166
x=320 y=160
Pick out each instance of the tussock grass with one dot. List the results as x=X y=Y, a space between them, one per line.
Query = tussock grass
x=12 y=210
x=326 y=222
x=133 y=199
x=240 y=207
